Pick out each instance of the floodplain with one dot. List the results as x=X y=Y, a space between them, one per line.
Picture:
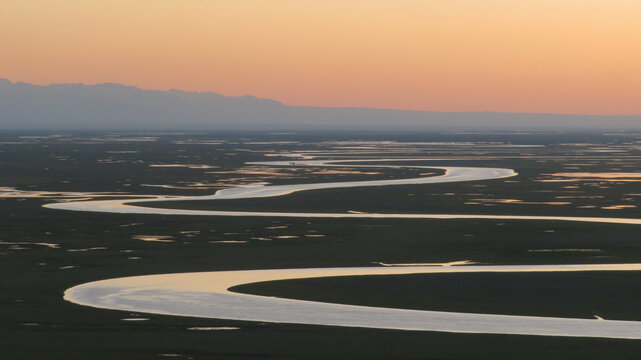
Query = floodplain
x=45 y=251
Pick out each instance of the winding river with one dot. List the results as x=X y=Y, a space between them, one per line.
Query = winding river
x=206 y=294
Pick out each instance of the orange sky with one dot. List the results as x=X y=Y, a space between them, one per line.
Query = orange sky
x=558 y=56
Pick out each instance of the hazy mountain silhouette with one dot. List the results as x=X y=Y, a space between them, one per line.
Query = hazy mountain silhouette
x=118 y=107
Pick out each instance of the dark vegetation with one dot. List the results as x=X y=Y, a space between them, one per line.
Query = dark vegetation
x=38 y=324
x=610 y=295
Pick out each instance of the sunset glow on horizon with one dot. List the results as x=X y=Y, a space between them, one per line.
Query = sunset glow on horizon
x=542 y=56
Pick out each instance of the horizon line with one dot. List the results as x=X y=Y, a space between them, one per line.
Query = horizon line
x=209 y=92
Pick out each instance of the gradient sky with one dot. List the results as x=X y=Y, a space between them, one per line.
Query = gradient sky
x=552 y=56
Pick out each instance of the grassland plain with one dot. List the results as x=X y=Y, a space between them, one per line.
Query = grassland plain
x=43 y=251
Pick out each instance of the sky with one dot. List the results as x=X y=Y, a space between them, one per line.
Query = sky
x=542 y=56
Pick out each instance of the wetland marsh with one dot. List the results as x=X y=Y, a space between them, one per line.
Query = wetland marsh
x=559 y=175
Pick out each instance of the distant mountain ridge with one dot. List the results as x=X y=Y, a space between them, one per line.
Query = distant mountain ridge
x=111 y=106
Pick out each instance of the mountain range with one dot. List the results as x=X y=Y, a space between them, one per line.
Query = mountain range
x=111 y=106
